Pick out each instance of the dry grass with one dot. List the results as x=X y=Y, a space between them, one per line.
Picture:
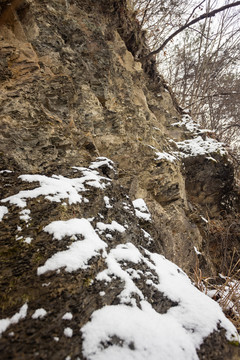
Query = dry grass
x=223 y=289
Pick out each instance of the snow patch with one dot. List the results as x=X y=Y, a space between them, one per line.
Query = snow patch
x=68 y=332
x=107 y=202
x=141 y=209
x=196 y=251
x=67 y=316
x=39 y=313
x=199 y=146
x=3 y=211
x=190 y=125
x=5 y=323
x=142 y=332
x=165 y=156
x=102 y=161
x=28 y=240
x=79 y=252
x=57 y=187
x=24 y=215
x=114 y=226
x=5 y=171
x=147 y=236
x=123 y=252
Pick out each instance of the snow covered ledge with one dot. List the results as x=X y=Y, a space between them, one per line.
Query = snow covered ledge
x=137 y=331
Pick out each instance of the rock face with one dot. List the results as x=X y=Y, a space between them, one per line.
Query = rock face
x=101 y=173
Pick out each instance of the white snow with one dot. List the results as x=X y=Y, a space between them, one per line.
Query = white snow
x=56 y=338
x=177 y=334
x=5 y=171
x=190 y=125
x=114 y=226
x=39 y=313
x=57 y=187
x=199 y=146
x=79 y=252
x=3 y=211
x=141 y=209
x=100 y=161
x=165 y=156
x=123 y=252
x=28 y=240
x=107 y=202
x=67 y=316
x=5 y=323
x=150 y=335
x=147 y=236
x=24 y=215
x=196 y=251
x=68 y=332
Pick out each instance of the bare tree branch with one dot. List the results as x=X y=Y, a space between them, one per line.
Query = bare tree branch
x=187 y=25
x=200 y=98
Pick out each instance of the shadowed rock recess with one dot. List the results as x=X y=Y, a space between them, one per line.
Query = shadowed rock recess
x=105 y=191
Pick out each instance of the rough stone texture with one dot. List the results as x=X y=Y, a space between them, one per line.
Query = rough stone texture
x=70 y=91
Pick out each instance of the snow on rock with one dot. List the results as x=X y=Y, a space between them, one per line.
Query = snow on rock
x=199 y=146
x=196 y=251
x=102 y=161
x=165 y=156
x=67 y=316
x=107 y=202
x=57 y=187
x=147 y=236
x=135 y=328
x=141 y=332
x=3 y=211
x=190 y=125
x=121 y=253
x=114 y=226
x=5 y=171
x=202 y=315
x=79 y=252
x=141 y=209
x=28 y=240
x=39 y=313
x=68 y=332
x=5 y=323
x=24 y=215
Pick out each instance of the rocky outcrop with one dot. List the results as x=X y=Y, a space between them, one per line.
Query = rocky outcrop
x=100 y=172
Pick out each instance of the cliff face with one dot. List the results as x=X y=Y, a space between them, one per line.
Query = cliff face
x=100 y=172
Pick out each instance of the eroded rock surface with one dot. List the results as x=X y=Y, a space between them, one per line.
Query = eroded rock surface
x=74 y=95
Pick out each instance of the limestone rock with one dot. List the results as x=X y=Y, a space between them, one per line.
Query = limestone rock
x=85 y=129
